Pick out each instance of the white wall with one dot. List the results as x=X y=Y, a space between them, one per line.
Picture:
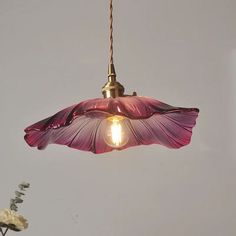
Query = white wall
x=54 y=53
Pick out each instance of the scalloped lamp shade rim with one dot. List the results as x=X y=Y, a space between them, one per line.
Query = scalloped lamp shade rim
x=147 y=121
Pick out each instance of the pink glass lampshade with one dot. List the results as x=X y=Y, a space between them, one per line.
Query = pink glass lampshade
x=144 y=120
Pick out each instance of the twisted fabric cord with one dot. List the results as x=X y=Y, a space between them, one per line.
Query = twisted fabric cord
x=111 y=32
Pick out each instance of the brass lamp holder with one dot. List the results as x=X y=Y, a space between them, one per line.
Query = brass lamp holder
x=112 y=88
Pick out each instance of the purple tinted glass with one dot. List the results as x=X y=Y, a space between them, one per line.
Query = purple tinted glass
x=82 y=126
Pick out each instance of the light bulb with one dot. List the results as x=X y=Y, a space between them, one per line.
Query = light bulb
x=115 y=134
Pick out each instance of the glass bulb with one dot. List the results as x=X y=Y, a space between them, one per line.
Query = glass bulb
x=116 y=135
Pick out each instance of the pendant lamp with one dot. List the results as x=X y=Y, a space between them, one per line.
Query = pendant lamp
x=116 y=121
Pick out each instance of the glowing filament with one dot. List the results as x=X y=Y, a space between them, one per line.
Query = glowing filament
x=116 y=132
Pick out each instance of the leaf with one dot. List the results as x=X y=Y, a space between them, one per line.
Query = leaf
x=18 y=200
x=19 y=194
x=13 y=207
x=24 y=185
x=12 y=201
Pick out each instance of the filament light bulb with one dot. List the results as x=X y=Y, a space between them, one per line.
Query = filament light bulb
x=116 y=135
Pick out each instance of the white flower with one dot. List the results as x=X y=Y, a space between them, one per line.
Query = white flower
x=12 y=220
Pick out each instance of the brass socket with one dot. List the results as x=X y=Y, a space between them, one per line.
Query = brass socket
x=112 y=88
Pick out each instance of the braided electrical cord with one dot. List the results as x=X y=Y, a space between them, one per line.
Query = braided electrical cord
x=111 y=32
